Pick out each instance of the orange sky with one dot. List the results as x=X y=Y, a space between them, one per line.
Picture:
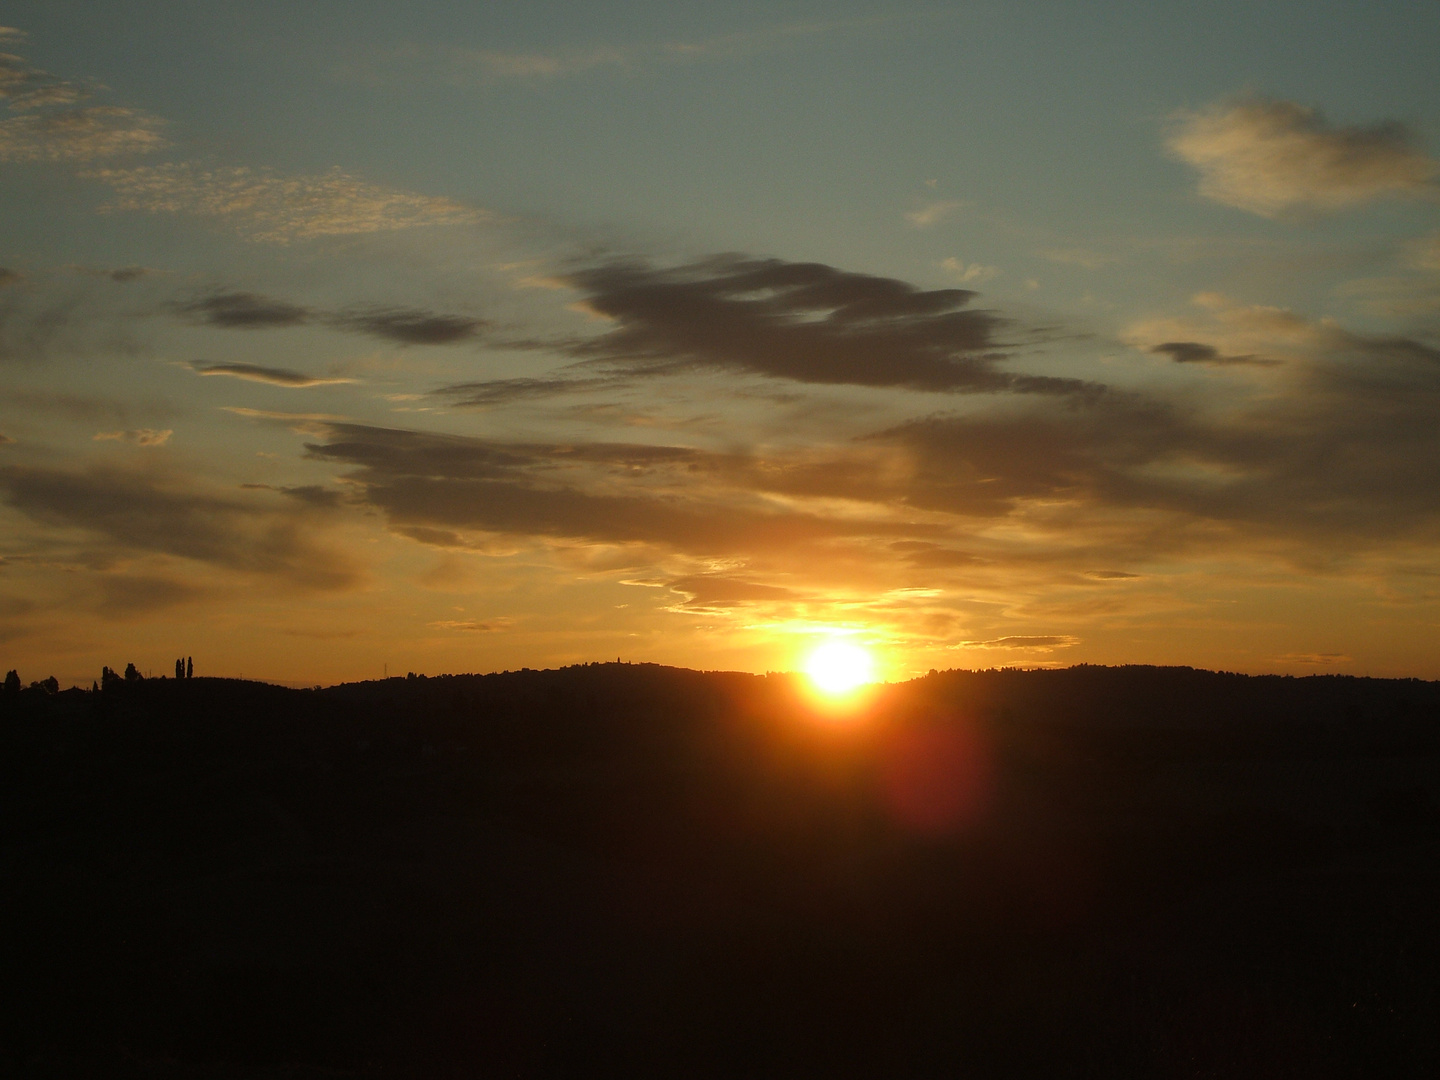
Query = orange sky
x=343 y=348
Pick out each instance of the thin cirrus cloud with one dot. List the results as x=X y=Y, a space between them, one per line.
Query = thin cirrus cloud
x=968 y=272
x=54 y=124
x=460 y=65
x=933 y=213
x=266 y=206
x=806 y=322
x=138 y=436
x=271 y=375
x=1037 y=642
x=1269 y=157
x=408 y=326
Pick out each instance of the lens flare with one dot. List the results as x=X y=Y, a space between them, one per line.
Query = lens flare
x=837 y=667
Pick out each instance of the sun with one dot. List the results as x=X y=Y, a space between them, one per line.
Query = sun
x=837 y=667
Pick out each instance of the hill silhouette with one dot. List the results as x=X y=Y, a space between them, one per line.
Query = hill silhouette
x=639 y=870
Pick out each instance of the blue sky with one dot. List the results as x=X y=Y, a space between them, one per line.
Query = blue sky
x=474 y=336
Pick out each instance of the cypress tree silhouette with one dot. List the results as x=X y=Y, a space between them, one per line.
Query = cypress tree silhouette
x=179 y=669
x=108 y=678
x=190 y=667
x=12 y=682
x=132 y=673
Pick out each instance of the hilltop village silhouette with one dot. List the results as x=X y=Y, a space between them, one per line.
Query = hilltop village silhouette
x=608 y=868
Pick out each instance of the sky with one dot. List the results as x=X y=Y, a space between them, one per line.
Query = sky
x=343 y=339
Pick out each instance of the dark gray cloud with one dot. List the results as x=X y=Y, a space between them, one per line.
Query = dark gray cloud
x=409 y=326
x=272 y=375
x=1348 y=458
x=244 y=311
x=801 y=321
x=1195 y=352
x=121 y=275
x=429 y=486
x=136 y=512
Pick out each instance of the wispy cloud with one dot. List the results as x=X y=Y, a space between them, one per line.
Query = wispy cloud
x=473 y=626
x=968 y=272
x=1270 y=156
x=1038 y=643
x=460 y=65
x=933 y=213
x=256 y=373
x=138 y=436
x=266 y=206
x=54 y=124
x=79 y=134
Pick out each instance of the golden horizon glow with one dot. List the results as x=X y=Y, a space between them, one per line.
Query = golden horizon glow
x=838 y=667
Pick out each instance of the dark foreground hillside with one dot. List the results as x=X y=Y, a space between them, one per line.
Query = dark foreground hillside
x=633 y=870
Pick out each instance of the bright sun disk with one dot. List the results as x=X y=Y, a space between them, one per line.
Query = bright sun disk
x=838 y=667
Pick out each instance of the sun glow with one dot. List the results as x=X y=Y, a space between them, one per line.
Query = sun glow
x=837 y=667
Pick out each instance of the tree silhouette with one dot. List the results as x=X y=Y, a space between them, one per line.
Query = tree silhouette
x=12 y=682
x=179 y=669
x=132 y=673
x=190 y=667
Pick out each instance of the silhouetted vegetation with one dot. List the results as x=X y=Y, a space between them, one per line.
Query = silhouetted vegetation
x=635 y=870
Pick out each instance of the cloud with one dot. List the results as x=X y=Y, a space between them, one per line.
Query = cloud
x=123 y=596
x=79 y=134
x=139 y=436
x=459 y=65
x=933 y=213
x=1346 y=459
x=801 y=321
x=1195 y=352
x=474 y=626
x=10 y=277
x=712 y=591
x=1270 y=156
x=256 y=373
x=408 y=326
x=53 y=123
x=968 y=273
x=493 y=392
x=1040 y=643
x=6 y=440
x=244 y=311
x=26 y=87
x=1081 y=257
x=1313 y=659
x=262 y=205
x=140 y=512
x=121 y=275
x=430 y=485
